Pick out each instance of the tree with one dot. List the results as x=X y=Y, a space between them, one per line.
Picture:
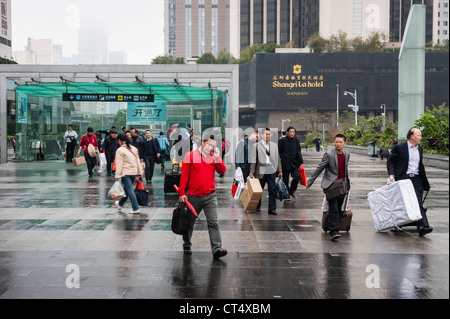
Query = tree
x=248 y=53
x=434 y=124
x=340 y=43
x=165 y=59
x=7 y=61
x=207 y=58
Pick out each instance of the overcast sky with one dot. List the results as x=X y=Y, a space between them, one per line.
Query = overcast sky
x=133 y=26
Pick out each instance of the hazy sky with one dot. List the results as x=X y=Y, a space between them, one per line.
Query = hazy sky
x=133 y=26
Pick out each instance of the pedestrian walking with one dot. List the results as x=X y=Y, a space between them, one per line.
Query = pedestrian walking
x=335 y=163
x=317 y=142
x=70 y=137
x=136 y=141
x=110 y=146
x=128 y=167
x=150 y=153
x=163 y=144
x=266 y=166
x=197 y=184
x=291 y=159
x=86 y=139
x=406 y=162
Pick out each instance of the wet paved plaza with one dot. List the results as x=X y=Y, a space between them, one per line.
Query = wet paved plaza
x=55 y=223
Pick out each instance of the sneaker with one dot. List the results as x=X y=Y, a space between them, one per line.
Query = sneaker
x=220 y=253
x=134 y=211
x=187 y=250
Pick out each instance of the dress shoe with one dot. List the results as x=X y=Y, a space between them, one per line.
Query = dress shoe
x=272 y=212
x=292 y=196
x=220 y=253
x=335 y=237
x=187 y=250
x=258 y=209
x=424 y=230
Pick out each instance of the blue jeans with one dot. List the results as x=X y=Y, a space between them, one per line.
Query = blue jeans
x=128 y=181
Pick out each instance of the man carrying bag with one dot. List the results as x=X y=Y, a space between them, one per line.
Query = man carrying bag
x=335 y=164
x=90 y=148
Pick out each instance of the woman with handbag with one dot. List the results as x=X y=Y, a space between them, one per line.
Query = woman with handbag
x=335 y=182
x=90 y=149
x=128 y=167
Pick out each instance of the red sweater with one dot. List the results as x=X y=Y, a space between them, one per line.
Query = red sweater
x=85 y=142
x=197 y=174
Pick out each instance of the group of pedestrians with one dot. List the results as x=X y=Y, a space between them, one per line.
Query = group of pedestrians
x=261 y=158
x=258 y=157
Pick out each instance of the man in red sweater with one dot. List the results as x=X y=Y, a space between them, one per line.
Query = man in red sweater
x=86 y=139
x=197 y=184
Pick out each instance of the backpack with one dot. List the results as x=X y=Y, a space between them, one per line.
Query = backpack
x=182 y=219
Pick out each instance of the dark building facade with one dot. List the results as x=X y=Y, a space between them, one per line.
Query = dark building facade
x=399 y=11
x=277 y=86
x=279 y=22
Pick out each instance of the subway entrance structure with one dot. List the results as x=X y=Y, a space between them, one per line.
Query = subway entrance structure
x=49 y=97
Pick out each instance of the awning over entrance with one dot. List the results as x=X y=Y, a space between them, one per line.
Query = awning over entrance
x=162 y=93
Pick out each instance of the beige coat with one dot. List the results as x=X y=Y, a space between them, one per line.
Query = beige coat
x=127 y=161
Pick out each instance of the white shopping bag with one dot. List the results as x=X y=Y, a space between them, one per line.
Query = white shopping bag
x=345 y=205
x=238 y=184
x=102 y=162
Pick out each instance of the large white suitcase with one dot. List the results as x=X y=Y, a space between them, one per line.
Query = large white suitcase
x=394 y=205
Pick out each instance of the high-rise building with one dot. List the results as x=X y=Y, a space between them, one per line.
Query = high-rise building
x=440 y=21
x=194 y=27
x=399 y=11
x=5 y=29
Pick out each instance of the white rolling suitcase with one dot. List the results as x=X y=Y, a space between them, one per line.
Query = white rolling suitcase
x=394 y=205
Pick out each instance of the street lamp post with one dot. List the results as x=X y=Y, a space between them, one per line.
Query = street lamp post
x=355 y=107
x=337 y=105
x=383 y=106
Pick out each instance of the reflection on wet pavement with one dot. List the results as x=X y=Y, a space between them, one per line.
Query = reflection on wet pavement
x=52 y=215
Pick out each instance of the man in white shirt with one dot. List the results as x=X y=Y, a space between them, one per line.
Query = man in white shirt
x=405 y=162
x=265 y=164
x=70 y=138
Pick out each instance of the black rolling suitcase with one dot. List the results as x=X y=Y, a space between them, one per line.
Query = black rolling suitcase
x=172 y=177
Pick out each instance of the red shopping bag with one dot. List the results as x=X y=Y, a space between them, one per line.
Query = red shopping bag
x=302 y=172
x=140 y=186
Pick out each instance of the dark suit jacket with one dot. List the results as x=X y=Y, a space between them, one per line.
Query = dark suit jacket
x=397 y=164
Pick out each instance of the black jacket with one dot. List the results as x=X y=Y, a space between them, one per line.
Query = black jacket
x=397 y=164
x=150 y=148
x=290 y=153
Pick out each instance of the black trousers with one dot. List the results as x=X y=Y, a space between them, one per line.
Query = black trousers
x=90 y=162
x=295 y=179
x=418 y=187
x=334 y=214
x=149 y=167
x=109 y=160
x=69 y=151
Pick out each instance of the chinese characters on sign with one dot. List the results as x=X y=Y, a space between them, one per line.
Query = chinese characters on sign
x=296 y=82
x=146 y=113
x=82 y=97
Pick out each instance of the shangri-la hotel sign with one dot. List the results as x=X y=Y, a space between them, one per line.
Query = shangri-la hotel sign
x=297 y=82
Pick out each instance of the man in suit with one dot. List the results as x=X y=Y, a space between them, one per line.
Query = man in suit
x=265 y=164
x=335 y=163
x=406 y=162
x=291 y=159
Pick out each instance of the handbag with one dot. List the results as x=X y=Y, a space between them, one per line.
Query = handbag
x=182 y=219
x=303 y=179
x=281 y=189
x=141 y=193
x=337 y=189
x=93 y=151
